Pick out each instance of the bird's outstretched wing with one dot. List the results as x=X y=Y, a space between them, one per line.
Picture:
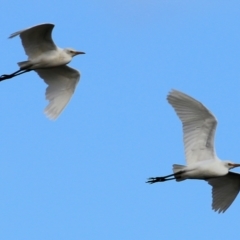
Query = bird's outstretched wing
x=62 y=82
x=36 y=39
x=199 y=126
x=224 y=190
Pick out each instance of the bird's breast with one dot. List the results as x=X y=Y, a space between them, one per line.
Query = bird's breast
x=50 y=59
x=205 y=169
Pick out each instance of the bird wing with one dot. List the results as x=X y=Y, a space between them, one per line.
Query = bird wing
x=62 y=82
x=36 y=39
x=199 y=126
x=224 y=190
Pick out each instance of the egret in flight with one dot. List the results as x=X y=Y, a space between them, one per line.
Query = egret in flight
x=199 y=126
x=49 y=62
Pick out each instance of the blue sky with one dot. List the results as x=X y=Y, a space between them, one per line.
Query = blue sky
x=83 y=176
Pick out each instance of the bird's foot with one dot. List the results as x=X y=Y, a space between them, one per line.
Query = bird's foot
x=18 y=72
x=5 y=76
x=156 y=179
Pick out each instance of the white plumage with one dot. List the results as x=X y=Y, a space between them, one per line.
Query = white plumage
x=199 y=126
x=49 y=61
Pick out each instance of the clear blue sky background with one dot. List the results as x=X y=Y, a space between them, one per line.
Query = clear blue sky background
x=83 y=176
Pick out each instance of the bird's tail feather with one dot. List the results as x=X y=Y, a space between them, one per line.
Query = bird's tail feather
x=24 y=64
x=176 y=169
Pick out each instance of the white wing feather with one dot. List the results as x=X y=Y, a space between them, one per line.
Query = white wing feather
x=62 y=82
x=36 y=39
x=199 y=126
x=224 y=190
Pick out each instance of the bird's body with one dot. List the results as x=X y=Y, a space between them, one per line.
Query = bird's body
x=199 y=126
x=51 y=58
x=201 y=170
x=49 y=61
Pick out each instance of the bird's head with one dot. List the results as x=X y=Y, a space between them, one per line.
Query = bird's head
x=231 y=165
x=72 y=52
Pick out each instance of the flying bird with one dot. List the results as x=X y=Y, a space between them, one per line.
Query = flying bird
x=199 y=126
x=49 y=62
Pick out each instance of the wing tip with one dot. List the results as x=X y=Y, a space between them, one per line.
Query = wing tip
x=14 y=34
x=219 y=210
x=51 y=114
x=18 y=32
x=173 y=93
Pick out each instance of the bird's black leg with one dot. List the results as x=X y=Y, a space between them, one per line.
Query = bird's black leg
x=158 y=179
x=164 y=178
x=19 y=72
x=7 y=76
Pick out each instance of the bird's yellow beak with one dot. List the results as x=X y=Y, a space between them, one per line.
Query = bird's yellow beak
x=77 y=52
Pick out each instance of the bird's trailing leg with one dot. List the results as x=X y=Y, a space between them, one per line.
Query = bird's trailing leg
x=19 y=72
x=164 y=178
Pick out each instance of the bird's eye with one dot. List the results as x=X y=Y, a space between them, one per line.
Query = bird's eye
x=229 y=164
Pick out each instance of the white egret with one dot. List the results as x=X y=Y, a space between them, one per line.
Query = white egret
x=49 y=61
x=199 y=126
